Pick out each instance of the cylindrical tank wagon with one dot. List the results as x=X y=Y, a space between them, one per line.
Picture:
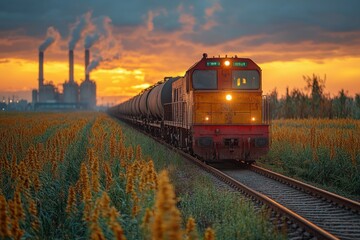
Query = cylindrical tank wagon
x=150 y=102
x=143 y=103
x=158 y=97
x=137 y=105
x=134 y=109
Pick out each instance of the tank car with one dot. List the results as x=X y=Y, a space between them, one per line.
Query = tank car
x=216 y=110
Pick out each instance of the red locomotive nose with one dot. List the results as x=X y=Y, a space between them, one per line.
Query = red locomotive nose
x=243 y=143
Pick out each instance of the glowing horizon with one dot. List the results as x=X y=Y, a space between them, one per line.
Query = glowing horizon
x=121 y=83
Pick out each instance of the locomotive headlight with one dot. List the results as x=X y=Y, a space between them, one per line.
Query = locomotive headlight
x=228 y=97
x=227 y=63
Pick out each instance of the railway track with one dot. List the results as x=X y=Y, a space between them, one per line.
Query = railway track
x=315 y=213
x=324 y=214
x=319 y=213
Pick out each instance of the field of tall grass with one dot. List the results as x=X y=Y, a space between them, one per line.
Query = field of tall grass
x=324 y=152
x=88 y=176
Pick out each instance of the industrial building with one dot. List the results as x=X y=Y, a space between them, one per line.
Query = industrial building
x=71 y=88
x=46 y=91
x=48 y=98
x=88 y=87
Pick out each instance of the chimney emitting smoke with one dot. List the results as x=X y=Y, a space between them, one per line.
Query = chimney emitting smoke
x=87 y=62
x=71 y=66
x=41 y=69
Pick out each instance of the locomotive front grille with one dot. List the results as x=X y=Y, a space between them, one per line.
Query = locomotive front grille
x=231 y=142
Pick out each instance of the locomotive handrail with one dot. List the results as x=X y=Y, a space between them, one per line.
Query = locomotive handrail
x=176 y=112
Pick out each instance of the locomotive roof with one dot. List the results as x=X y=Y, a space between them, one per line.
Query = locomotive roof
x=206 y=59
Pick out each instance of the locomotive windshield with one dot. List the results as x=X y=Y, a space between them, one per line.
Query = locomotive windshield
x=245 y=79
x=204 y=79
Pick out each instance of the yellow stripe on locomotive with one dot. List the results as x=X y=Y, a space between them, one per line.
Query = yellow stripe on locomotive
x=214 y=108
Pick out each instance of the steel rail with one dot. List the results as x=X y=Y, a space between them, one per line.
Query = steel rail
x=339 y=200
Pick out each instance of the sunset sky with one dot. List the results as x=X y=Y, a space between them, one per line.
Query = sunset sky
x=137 y=43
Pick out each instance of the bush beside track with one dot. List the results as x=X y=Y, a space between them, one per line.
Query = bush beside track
x=325 y=153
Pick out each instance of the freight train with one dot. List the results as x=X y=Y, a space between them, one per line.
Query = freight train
x=216 y=111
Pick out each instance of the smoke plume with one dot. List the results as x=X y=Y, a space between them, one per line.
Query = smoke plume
x=101 y=29
x=93 y=64
x=78 y=29
x=101 y=33
x=91 y=39
x=52 y=35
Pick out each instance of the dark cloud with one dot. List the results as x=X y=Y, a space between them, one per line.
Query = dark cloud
x=167 y=22
x=35 y=16
x=202 y=23
x=236 y=18
x=285 y=21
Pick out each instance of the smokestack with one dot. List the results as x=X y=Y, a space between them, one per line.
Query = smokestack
x=71 y=66
x=41 y=69
x=87 y=62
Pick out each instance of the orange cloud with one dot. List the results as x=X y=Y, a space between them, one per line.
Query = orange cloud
x=147 y=55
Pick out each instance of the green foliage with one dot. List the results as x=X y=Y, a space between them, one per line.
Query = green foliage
x=314 y=102
x=59 y=169
x=291 y=153
x=230 y=215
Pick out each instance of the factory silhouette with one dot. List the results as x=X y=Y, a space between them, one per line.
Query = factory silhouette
x=74 y=97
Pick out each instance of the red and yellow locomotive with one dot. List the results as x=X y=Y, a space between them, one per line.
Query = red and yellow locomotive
x=216 y=111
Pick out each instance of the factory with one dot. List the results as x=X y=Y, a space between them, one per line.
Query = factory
x=74 y=97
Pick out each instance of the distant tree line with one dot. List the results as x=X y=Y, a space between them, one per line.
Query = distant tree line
x=314 y=102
